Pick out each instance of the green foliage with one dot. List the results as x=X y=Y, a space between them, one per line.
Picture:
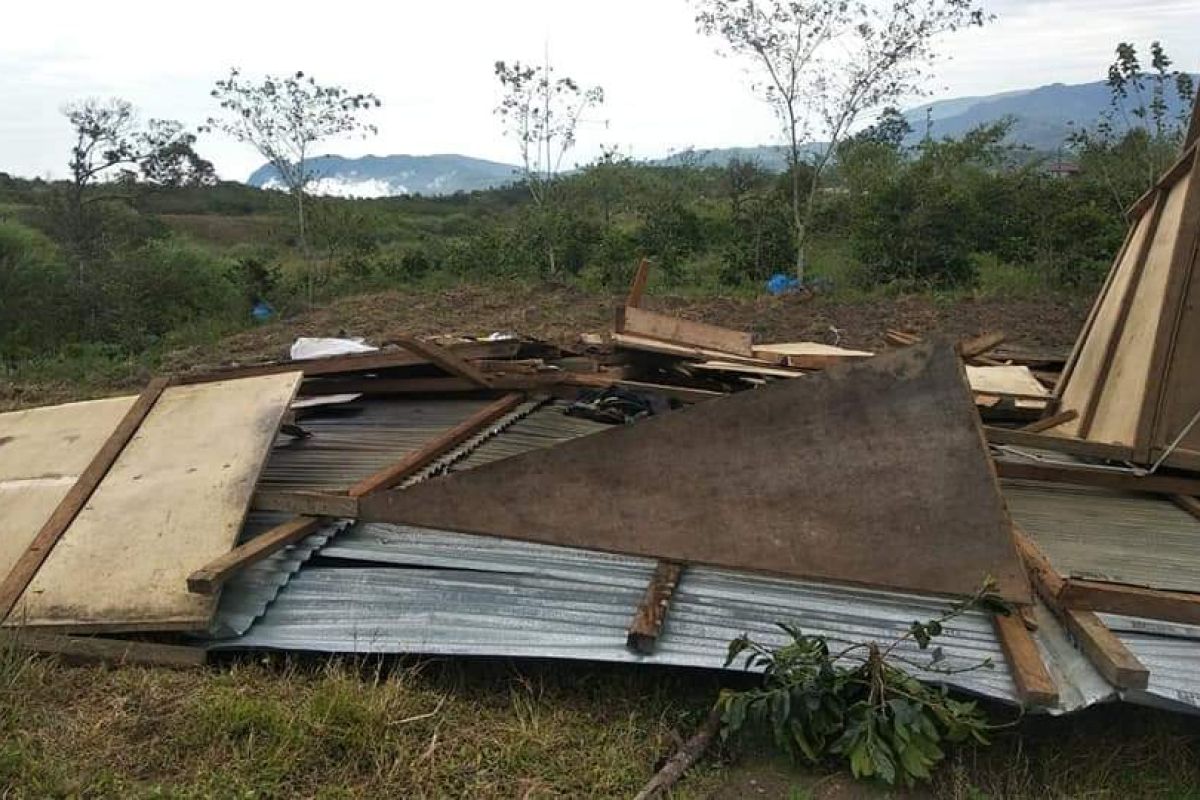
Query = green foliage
x=857 y=705
x=34 y=304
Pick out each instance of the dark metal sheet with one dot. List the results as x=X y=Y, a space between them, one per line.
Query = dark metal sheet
x=872 y=473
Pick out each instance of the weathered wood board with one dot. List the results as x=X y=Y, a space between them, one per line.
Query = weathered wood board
x=42 y=452
x=871 y=473
x=173 y=501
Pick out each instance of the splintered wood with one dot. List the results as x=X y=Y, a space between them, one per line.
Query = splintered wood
x=172 y=502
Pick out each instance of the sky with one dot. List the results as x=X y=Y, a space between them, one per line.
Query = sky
x=430 y=62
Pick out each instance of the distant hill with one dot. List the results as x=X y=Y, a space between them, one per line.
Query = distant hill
x=386 y=176
x=1043 y=121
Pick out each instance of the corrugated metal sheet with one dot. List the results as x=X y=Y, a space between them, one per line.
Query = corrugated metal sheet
x=1110 y=536
x=354 y=440
x=248 y=593
x=546 y=427
x=517 y=599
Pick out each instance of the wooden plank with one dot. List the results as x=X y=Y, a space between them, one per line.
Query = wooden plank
x=31 y=561
x=638 y=287
x=446 y=359
x=173 y=500
x=651 y=614
x=1107 y=653
x=209 y=578
x=684 y=394
x=352 y=362
x=1188 y=503
x=110 y=651
x=746 y=369
x=675 y=486
x=43 y=451
x=644 y=343
x=1053 y=421
x=978 y=345
x=1105 y=479
x=387 y=386
x=1035 y=686
x=435 y=448
x=315 y=504
x=1057 y=444
x=816 y=361
x=640 y=322
x=1132 y=601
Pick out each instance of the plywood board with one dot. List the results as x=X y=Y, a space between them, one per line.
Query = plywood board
x=640 y=322
x=1008 y=380
x=42 y=452
x=871 y=473
x=173 y=501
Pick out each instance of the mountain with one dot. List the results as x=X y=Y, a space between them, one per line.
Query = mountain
x=385 y=176
x=1044 y=118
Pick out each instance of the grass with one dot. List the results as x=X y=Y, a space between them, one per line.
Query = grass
x=277 y=727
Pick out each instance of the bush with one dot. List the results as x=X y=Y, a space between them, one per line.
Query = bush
x=36 y=302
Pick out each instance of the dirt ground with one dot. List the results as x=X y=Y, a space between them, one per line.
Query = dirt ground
x=560 y=314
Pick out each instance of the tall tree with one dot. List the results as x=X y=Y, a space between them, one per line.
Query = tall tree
x=283 y=118
x=112 y=149
x=542 y=112
x=822 y=63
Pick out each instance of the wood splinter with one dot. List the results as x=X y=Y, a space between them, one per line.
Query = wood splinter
x=651 y=614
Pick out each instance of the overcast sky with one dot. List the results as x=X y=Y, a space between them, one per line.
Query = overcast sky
x=430 y=61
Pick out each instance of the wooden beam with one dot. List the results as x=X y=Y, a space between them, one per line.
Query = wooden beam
x=313 y=504
x=1058 y=444
x=1132 y=601
x=421 y=458
x=446 y=359
x=1107 y=653
x=1188 y=503
x=1084 y=476
x=209 y=578
x=1035 y=686
x=683 y=394
x=30 y=561
x=978 y=345
x=113 y=651
x=639 y=322
x=651 y=613
x=1052 y=421
x=353 y=362
x=646 y=344
x=387 y=386
x=638 y=286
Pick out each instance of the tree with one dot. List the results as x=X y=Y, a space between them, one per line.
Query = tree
x=283 y=117
x=541 y=113
x=1139 y=134
x=823 y=63
x=113 y=147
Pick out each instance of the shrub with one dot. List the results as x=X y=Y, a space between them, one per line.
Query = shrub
x=36 y=302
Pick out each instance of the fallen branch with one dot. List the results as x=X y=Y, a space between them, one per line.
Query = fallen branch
x=684 y=758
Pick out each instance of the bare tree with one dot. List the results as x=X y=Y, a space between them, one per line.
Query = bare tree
x=282 y=118
x=541 y=113
x=823 y=63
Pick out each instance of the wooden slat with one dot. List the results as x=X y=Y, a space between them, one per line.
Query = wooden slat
x=978 y=345
x=651 y=613
x=638 y=287
x=1107 y=653
x=640 y=322
x=1058 y=444
x=1035 y=686
x=1052 y=421
x=415 y=461
x=1084 y=476
x=307 y=503
x=646 y=344
x=111 y=651
x=446 y=359
x=27 y=566
x=1188 y=503
x=353 y=362
x=209 y=578
x=684 y=394
x=1132 y=601
x=387 y=386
